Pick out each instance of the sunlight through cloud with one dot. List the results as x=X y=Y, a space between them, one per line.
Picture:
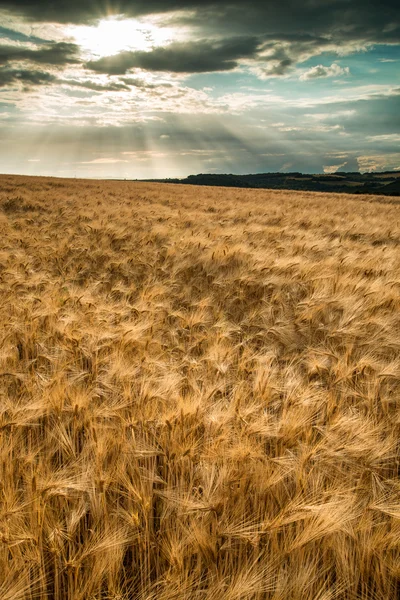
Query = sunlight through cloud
x=116 y=34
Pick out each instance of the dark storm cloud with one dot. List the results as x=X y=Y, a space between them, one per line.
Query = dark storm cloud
x=340 y=19
x=290 y=31
x=58 y=54
x=348 y=18
x=188 y=57
x=27 y=78
x=77 y=11
x=33 y=78
x=274 y=58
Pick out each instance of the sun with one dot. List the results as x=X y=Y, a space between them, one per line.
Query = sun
x=116 y=34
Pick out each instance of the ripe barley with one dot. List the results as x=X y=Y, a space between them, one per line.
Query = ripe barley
x=199 y=393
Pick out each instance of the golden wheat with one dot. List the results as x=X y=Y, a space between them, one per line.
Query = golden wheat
x=199 y=393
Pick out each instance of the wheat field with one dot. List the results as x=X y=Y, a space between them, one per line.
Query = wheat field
x=199 y=393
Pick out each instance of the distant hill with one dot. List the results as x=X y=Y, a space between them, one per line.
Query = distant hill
x=386 y=183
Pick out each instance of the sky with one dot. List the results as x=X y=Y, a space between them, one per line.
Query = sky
x=167 y=88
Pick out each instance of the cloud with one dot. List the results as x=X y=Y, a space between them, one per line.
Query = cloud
x=389 y=137
x=273 y=67
x=17 y=36
x=145 y=85
x=56 y=54
x=94 y=86
x=208 y=36
x=53 y=53
x=338 y=26
x=102 y=161
x=27 y=78
x=283 y=16
x=184 y=57
x=379 y=162
x=319 y=71
x=62 y=11
x=333 y=168
x=280 y=52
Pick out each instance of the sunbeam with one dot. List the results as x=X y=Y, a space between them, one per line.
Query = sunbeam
x=116 y=34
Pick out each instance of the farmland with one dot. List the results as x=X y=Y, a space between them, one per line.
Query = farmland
x=199 y=393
